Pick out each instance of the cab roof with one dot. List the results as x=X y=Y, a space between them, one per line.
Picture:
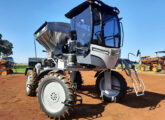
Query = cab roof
x=102 y=7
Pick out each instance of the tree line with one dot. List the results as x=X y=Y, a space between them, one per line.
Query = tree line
x=5 y=47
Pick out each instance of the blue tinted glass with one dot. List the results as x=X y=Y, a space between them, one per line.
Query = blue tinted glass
x=97 y=26
x=83 y=28
x=111 y=29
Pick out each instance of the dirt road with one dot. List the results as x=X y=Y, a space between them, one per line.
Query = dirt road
x=15 y=105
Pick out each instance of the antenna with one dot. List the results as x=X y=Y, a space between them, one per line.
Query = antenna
x=35 y=48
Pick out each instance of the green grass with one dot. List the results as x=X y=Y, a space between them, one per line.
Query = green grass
x=119 y=66
x=20 y=68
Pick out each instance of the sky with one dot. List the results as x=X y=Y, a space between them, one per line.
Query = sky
x=143 y=21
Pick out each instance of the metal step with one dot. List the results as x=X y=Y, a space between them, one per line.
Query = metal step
x=138 y=84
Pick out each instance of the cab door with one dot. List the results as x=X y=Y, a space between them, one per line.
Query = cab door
x=83 y=27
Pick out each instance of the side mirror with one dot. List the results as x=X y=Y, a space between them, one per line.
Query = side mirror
x=73 y=35
x=138 y=53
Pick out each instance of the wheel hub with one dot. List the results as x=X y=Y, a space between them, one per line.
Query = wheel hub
x=54 y=97
x=28 y=84
x=109 y=93
x=53 y=94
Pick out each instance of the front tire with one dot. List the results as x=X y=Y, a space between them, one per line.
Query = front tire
x=29 y=83
x=54 y=91
x=119 y=87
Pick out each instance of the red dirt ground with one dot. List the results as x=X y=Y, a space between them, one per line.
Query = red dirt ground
x=15 y=105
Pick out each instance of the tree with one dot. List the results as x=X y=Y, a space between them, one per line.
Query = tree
x=5 y=47
x=0 y=36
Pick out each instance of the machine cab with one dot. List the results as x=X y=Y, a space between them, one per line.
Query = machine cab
x=98 y=32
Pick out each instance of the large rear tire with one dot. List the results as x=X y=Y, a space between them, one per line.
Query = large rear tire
x=29 y=83
x=56 y=96
x=119 y=87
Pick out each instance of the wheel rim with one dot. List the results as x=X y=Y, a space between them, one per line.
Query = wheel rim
x=115 y=87
x=4 y=73
x=53 y=97
x=28 y=84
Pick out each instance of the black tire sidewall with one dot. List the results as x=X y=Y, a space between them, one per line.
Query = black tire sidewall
x=30 y=73
x=40 y=90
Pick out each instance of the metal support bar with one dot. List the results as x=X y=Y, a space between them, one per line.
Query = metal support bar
x=38 y=68
x=107 y=83
x=107 y=80
x=138 y=84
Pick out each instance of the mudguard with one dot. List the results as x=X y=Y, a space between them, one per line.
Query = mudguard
x=45 y=72
x=98 y=73
x=28 y=68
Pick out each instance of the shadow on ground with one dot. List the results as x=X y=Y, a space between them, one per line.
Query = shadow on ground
x=92 y=111
x=150 y=99
x=89 y=111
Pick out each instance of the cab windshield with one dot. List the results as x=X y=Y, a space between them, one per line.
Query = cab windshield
x=111 y=31
x=106 y=30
